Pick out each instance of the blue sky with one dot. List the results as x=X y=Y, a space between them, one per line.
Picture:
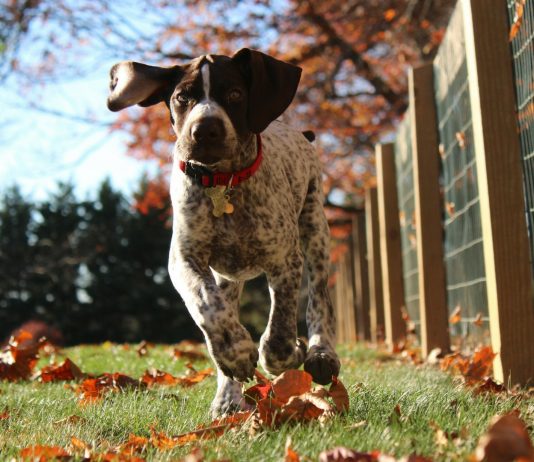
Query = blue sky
x=38 y=149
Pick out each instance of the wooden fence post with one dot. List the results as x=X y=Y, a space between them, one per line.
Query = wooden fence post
x=390 y=244
x=433 y=313
x=500 y=184
x=361 y=280
x=344 y=290
x=376 y=296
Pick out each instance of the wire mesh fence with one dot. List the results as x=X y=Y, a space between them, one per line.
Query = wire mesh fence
x=463 y=247
x=523 y=63
x=405 y=190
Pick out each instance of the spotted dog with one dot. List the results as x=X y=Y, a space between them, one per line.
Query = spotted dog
x=244 y=204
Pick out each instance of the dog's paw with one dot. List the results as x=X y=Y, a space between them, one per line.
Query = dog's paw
x=276 y=358
x=228 y=400
x=241 y=365
x=322 y=364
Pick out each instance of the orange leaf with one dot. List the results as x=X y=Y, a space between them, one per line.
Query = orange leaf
x=157 y=377
x=518 y=18
x=290 y=455
x=291 y=383
x=66 y=371
x=44 y=453
x=390 y=14
x=308 y=406
x=188 y=354
x=456 y=315
x=4 y=415
x=257 y=393
x=341 y=454
x=450 y=207
x=507 y=439
x=339 y=395
x=478 y=320
x=462 y=140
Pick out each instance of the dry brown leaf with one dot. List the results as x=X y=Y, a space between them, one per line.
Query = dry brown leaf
x=478 y=320
x=43 y=453
x=289 y=454
x=456 y=315
x=339 y=395
x=518 y=18
x=341 y=454
x=291 y=383
x=66 y=371
x=507 y=440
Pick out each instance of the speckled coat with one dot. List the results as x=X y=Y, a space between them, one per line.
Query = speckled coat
x=277 y=225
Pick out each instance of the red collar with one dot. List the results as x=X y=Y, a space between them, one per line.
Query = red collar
x=205 y=177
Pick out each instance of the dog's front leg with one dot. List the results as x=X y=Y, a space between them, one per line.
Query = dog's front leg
x=279 y=347
x=228 y=342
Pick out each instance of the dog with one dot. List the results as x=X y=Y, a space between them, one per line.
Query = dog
x=247 y=199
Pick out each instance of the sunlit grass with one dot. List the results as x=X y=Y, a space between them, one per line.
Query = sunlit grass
x=42 y=413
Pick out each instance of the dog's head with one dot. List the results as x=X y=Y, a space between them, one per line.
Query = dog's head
x=216 y=102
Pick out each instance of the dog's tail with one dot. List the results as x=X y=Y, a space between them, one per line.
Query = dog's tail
x=309 y=135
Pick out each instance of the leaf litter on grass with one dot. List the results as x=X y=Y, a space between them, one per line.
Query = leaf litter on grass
x=287 y=399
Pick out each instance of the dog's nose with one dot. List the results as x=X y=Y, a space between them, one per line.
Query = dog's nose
x=208 y=129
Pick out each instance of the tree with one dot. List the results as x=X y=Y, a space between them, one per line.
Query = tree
x=354 y=54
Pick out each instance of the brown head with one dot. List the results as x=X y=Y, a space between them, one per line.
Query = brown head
x=216 y=102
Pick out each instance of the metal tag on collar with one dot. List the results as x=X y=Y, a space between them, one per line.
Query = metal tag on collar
x=220 y=199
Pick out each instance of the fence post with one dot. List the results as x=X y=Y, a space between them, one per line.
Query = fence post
x=346 y=322
x=390 y=244
x=374 y=264
x=500 y=183
x=361 y=281
x=433 y=313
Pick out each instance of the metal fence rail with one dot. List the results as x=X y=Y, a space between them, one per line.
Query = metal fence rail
x=464 y=256
x=405 y=188
x=523 y=62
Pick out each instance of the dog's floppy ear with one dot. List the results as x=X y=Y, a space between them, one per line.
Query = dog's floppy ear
x=135 y=83
x=272 y=86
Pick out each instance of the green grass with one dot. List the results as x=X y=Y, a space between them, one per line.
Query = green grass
x=38 y=411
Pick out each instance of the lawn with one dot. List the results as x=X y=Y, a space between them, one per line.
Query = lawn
x=395 y=407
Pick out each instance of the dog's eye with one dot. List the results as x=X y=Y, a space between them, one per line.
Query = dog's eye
x=235 y=95
x=183 y=98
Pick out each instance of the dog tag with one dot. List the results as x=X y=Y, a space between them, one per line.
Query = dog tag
x=220 y=200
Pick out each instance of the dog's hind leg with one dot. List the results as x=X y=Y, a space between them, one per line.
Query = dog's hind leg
x=321 y=361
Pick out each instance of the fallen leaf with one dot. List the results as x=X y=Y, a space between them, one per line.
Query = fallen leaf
x=478 y=320
x=257 y=392
x=18 y=361
x=153 y=377
x=518 y=18
x=73 y=419
x=289 y=454
x=488 y=385
x=43 y=453
x=92 y=389
x=507 y=439
x=449 y=206
x=456 y=315
x=342 y=454
x=462 y=140
x=188 y=354
x=291 y=383
x=66 y=371
x=339 y=395
x=4 y=415
x=142 y=348
x=306 y=407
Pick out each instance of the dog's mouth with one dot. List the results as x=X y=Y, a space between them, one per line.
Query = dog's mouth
x=207 y=156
